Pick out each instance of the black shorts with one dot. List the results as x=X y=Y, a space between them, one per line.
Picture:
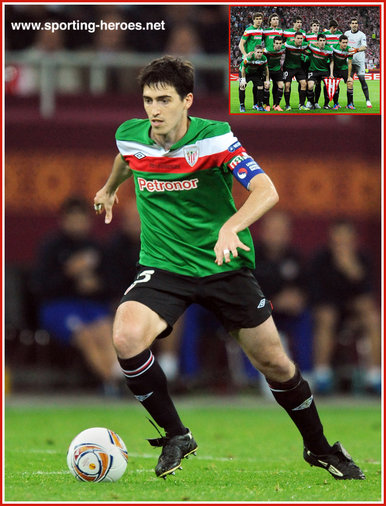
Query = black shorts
x=317 y=75
x=234 y=297
x=299 y=74
x=257 y=78
x=341 y=73
x=276 y=75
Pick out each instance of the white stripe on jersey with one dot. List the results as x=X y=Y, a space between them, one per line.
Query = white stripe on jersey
x=209 y=146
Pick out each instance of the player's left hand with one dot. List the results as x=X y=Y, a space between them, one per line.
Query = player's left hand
x=227 y=244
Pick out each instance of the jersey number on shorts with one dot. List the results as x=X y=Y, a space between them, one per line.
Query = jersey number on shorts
x=143 y=277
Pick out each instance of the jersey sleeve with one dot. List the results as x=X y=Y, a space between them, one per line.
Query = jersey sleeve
x=240 y=163
x=363 y=41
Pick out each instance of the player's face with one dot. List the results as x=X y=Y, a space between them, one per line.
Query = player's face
x=298 y=24
x=258 y=53
x=257 y=22
x=333 y=29
x=354 y=26
x=275 y=21
x=321 y=43
x=298 y=40
x=343 y=44
x=165 y=109
x=277 y=45
x=314 y=28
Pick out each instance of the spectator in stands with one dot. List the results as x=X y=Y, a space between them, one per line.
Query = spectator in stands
x=343 y=299
x=70 y=287
x=281 y=272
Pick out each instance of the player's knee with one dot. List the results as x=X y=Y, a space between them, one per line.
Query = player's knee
x=129 y=341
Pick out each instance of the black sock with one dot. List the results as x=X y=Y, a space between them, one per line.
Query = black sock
x=296 y=398
x=241 y=96
x=274 y=91
x=287 y=95
x=259 y=97
x=336 y=96
x=365 y=88
x=147 y=381
x=279 y=96
x=266 y=97
x=318 y=91
x=350 y=96
x=326 y=97
x=302 y=97
x=255 y=92
x=310 y=96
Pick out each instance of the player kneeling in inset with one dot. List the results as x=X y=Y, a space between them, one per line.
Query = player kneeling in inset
x=254 y=67
x=342 y=58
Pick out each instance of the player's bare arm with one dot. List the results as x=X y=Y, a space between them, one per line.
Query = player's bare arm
x=242 y=47
x=263 y=196
x=332 y=67
x=106 y=197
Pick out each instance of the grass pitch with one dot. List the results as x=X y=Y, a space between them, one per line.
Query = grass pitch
x=359 y=100
x=248 y=451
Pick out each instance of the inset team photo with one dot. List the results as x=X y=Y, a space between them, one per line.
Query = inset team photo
x=307 y=60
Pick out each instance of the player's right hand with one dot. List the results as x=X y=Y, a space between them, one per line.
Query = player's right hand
x=105 y=201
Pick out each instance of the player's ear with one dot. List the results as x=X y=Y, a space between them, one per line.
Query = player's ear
x=188 y=100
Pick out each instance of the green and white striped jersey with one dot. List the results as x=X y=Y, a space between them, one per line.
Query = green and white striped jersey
x=184 y=195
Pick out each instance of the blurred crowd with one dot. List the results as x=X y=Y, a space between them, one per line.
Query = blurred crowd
x=324 y=306
x=369 y=24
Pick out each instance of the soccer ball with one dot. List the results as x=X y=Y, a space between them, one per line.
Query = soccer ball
x=97 y=454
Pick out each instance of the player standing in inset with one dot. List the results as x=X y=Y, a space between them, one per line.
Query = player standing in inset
x=253 y=34
x=357 y=40
x=342 y=68
x=275 y=72
x=293 y=67
x=333 y=34
x=321 y=63
x=311 y=38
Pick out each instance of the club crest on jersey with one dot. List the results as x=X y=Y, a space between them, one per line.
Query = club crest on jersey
x=191 y=154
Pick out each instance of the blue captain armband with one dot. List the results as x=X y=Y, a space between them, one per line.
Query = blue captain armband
x=244 y=168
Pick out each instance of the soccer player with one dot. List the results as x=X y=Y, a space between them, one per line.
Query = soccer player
x=333 y=34
x=289 y=33
x=254 y=67
x=342 y=68
x=272 y=31
x=312 y=37
x=253 y=34
x=196 y=247
x=275 y=71
x=293 y=67
x=321 y=63
x=357 y=40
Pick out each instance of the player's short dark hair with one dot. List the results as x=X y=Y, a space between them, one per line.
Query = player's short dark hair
x=333 y=22
x=278 y=37
x=315 y=22
x=297 y=18
x=298 y=33
x=169 y=70
x=273 y=15
x=74 y=204
x=257 y=15
x=259 y=46
x=321 y=36
x=354 y=19
x=343 y=37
